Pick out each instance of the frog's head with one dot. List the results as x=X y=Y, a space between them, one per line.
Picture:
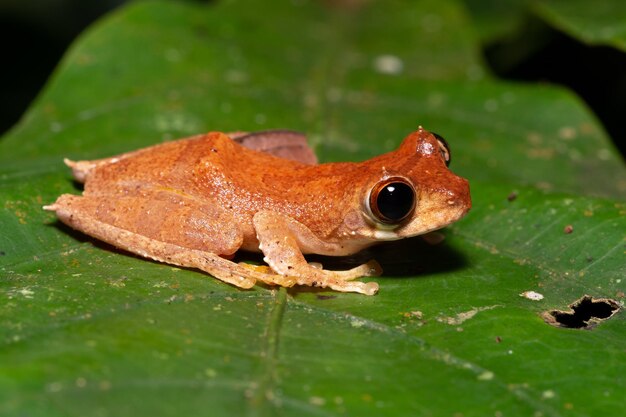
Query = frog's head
x=412 y=191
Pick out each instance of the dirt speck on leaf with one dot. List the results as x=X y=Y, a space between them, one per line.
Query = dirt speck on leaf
x=464 y=316
x=512 y=196
x=532 y=295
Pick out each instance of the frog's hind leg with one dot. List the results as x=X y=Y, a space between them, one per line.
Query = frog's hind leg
x=286 y=144
x=92 y=217
x=80 y=169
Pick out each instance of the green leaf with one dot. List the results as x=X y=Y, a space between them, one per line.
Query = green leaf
x=495 y=19
x=86 y=330
x=596 y=23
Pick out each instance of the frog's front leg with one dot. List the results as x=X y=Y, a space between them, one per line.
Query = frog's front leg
x=279 y=238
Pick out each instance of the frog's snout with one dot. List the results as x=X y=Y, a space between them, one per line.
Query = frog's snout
x=459 y=194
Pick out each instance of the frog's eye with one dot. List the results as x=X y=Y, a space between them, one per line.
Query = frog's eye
x=443 y=148
x=392 y=200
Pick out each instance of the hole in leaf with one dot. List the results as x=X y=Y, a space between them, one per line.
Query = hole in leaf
x=584 y=313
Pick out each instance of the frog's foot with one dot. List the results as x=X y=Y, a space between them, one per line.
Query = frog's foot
x=296 y=268
x=265 y=274
x=343 y=281
x=336 y=280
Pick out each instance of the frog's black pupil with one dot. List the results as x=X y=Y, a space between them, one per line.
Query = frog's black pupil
x=395 y=201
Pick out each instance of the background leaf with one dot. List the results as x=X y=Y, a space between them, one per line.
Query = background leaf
x=86 y=330
x=599 y=23
x=596 y=23
x=496 y=19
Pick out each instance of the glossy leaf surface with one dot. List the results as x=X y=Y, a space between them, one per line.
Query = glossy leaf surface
x=87 y=330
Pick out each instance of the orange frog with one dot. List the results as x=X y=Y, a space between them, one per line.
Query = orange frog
x=194 y=202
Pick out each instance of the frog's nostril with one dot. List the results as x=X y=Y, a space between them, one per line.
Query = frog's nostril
x=456 y=200
x=459 y=194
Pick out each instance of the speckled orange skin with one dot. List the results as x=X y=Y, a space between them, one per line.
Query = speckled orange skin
x=210 y=195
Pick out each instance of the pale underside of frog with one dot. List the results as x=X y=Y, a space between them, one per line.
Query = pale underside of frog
x=194 y=202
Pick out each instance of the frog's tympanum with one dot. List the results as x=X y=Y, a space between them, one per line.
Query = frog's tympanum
x=195 y=202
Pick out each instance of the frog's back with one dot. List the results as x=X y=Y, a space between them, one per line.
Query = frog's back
x=178 y=164
x=218 y=171
x=255 y=180
x=199 y=165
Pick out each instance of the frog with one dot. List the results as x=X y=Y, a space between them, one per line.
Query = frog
x=195 y=202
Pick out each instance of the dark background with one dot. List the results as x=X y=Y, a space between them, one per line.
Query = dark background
x=37 y=33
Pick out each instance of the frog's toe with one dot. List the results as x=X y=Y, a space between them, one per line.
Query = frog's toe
x=80 y=169
x=244 y=282
x=369 y=269
x=367 y=288
x=265 y=274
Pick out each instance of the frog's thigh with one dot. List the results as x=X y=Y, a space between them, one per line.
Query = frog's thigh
x=92 y=217
x=164 y=216
x=277 y=237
